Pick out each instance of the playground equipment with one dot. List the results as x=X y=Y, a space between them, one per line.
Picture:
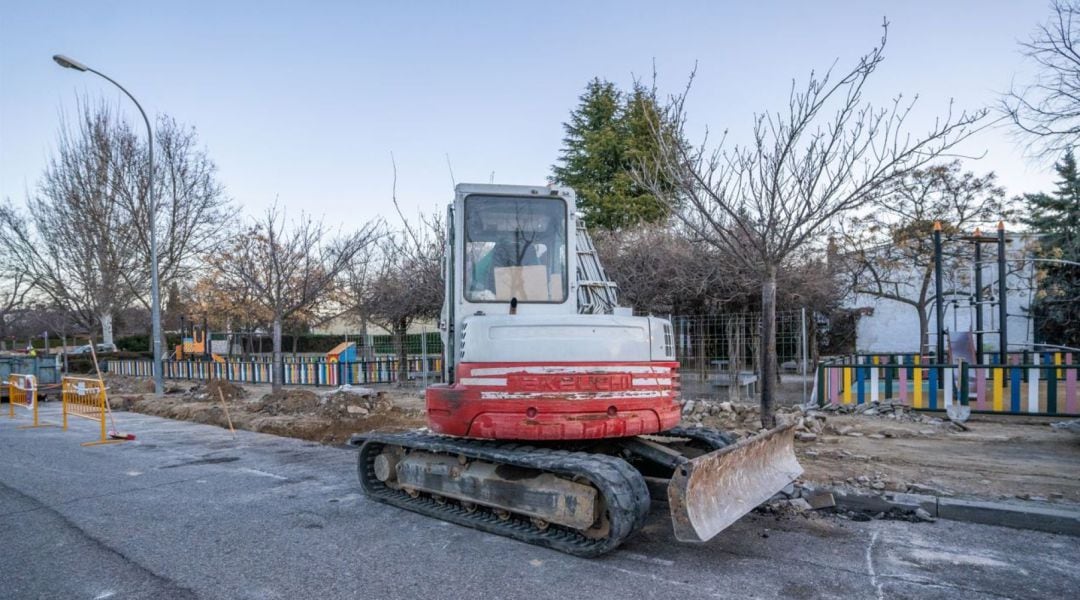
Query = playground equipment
x=343 y=352
x=977 y=299
x=961 y=353
x=195 y=342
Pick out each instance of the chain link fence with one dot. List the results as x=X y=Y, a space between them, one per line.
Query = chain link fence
x=719 y=353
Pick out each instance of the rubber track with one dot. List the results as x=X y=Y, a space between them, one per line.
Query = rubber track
x=622 y=488
x=715 y=438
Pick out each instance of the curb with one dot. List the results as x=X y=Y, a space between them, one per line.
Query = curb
x=1037 y=518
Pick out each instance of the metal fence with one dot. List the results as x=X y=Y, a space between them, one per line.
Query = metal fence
x=377 y=370
x=714 y=351
x=721 y=353
x=1034 y=383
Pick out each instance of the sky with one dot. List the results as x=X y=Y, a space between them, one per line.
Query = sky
x=304 y=103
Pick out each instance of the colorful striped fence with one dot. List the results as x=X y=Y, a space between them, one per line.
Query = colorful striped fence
x=378 y=370
x=1047 y=385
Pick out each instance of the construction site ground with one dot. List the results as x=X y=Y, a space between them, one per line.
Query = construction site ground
x=888 y=448
x=188 y=511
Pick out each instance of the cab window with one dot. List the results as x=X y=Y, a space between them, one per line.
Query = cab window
x=515 y=248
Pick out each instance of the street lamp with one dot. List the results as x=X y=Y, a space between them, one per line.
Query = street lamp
x=155 y=291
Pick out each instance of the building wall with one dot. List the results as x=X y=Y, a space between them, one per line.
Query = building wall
x=891 y=326
x=349 y=326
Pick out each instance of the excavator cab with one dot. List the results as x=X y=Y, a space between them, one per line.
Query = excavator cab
x=557 y=403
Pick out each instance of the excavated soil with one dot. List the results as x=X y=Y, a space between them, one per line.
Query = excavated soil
x=889 y=448
x=326 y=416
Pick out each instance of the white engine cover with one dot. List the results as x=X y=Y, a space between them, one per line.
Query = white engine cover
x=565 y=338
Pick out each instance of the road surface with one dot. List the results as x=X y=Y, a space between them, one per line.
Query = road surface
x=187 y=512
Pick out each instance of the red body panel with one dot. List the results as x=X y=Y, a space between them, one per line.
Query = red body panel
x=553 y=401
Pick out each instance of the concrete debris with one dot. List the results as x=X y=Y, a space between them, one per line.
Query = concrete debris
x=1072 y=426
x=923 y=515
x=800 y=504
x=921 y=488
x=820 y=500
x=355 y=389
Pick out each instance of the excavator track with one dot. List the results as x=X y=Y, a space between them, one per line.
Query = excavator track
x=714 y=439
x=621 y=490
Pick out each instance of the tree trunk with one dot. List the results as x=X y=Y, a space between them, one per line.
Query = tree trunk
x=768 y=347
x=106 y=328
x=366 y=352
x=277 y=368
x=401 y=328
x=736 y=327
x=924 y=330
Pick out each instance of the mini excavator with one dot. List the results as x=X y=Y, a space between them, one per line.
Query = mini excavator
x=559 y=407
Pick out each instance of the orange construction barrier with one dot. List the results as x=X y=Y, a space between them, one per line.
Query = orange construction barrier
x=22 y=391
x=85 y=397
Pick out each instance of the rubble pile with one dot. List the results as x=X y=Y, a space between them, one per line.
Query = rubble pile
x=349 y=401
x=804 y=499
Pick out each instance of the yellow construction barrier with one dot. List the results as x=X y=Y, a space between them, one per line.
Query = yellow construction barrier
x=85 y=397
x=22 y=391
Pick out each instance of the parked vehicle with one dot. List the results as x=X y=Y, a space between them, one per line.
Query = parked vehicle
x=558 y=403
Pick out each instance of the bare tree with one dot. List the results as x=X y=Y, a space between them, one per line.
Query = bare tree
x=663 y=269
x=357 y=284
x=888 y=253
x=827 y=154
x=287 y=270
x=76 y=244
x=407 y=284
x=192 y=210
x=1046 y=110
x=15 y=284
x=86 y=241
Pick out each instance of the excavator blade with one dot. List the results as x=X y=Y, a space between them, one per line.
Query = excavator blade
x=712 y=491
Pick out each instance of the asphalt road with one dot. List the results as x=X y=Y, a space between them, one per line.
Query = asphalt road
x=187 y=512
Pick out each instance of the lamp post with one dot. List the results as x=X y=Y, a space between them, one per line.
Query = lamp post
x=155 y=291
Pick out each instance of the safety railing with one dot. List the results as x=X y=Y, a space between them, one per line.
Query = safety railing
x=1048 y=385
x=23 y=391
x=85 y=398
x=378 y=370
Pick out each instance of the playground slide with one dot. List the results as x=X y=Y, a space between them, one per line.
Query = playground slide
x=961 y=348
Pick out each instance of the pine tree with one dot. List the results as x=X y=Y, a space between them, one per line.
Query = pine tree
x=607 y=136
x=1055 y=218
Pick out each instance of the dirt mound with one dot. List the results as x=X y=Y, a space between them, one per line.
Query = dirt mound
x=119 y=384
x=289 y=402
x=357 y=402
x=229 y=390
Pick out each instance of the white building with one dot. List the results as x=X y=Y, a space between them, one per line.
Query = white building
x=889 y=326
